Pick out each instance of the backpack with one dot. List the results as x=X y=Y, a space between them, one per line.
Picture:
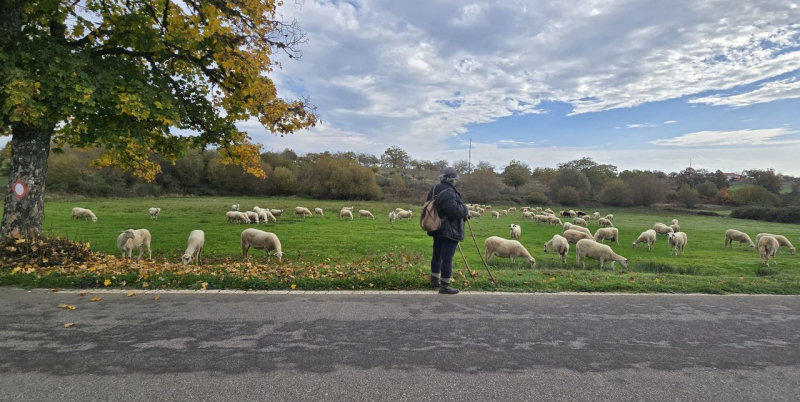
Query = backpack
x=429 y=219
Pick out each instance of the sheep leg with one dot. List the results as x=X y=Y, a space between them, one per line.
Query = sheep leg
x=199 y=250
x=245 y=247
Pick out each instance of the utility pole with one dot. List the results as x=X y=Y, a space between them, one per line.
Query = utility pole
x=469 y=159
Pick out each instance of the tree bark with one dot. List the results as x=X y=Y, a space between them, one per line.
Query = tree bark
x=30 y=148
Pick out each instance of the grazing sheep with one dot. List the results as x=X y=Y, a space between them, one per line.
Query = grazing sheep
x=475 y=214
x=276 y=212
x=565 y=214
x=648 y=236
x=579 y=229
x=83 y=213
x=603 y=222
x=264 y=215
x=495 y=215
x=678 y=242
x=504 y=212
x=197 y=239
x=235 y=207
x=512 y=209
x=549 y=211
x=579 y=221
x=392 y=217
x=498 y=246
x=363 y=213
x=589 y=248
x=395 y=210
x=541 y=219
x=674 y=222
x=596 y=215
x=559 y=245
x=662 y=229
x=319 y=212
x=610 y=217
x=350 y=208
x=767 y=247
x=782 y=240
x=611 y=234
x=574 y=236
x=528 y=215
x=154 y=212
x=515 y=231
x=261 y=240
x=135 y=238
x=345 y=213
x=732 y=235
x=566 y=226
x=675 y=228
x=303 y=211
x=553 y=220
x=581 y=214
x=524 y=209
x=238 y=217
x=253 y=216
x=404 y=215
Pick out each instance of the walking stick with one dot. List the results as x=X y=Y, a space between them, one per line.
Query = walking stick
x=479 y=253
x=465 y=261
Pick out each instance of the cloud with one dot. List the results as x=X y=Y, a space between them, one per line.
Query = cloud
x=640 y=125
x=670 y=121
x=767 y=92
x=515 y=143
x=730 y=138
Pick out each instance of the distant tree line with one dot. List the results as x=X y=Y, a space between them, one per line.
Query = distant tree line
x=394 y=175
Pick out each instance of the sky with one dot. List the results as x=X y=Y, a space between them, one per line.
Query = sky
x=638 y=84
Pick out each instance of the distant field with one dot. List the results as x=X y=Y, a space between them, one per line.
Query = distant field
x=706 y=267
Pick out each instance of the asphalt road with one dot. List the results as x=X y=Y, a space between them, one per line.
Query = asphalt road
x=398 y=347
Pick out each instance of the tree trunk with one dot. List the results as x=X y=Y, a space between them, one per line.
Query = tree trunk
x=30 y=148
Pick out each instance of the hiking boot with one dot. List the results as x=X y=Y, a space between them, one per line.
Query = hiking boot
x=445 y=289
x=434 y=282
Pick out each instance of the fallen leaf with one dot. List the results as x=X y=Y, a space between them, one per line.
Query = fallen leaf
x=69 y=324
x=131 y=293
x=66 y=306
x=294 y=286
x=552 y=279
x=157 y=298
x=54 y=290
x=96 y=299
x=205 y=285
x=107 y=282
x=474 y=272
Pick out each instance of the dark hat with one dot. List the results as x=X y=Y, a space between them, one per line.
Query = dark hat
x=450 y=173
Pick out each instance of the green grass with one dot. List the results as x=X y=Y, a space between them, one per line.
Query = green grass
x=372 y=251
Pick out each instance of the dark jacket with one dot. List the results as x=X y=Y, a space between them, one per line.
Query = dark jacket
x=451 y=210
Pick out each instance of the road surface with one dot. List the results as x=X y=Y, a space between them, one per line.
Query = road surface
x=353 y=347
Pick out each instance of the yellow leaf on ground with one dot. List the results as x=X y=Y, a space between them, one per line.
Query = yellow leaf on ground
x=205 y=285
x=294 y=286
x=552 y=279
x=107 y=282
x=95 y=298
x=66 y=306
x=69 y=324
x=157 y=297
x=131 y=293
x=474 y=272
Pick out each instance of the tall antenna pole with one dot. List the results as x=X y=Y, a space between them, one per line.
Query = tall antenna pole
x=469 y=160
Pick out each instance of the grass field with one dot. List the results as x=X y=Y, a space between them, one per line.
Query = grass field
x=373 y=254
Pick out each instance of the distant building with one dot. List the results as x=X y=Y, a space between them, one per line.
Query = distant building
x=734 y=177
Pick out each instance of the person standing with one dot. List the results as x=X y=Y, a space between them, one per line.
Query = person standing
x=445 y=240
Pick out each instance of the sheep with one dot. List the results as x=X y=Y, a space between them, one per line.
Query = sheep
x=678 y=242
x=264 y=215
x=498 y=246
x=197 y=238
x=83 y=213
x=515 y=231
x=524 y=209
x=541 y=219
x=319 y=212
x=767 y=247
x=552 y=220
x=350 y=208
x=495 y=215
x=603 y=222
x=565 y=214
x=559 y=245
x=253 y=216
x=574 y=236
x=363 y=213
x=566 y=226
x=674 y=222
x=404 y=215
x=345 y=213
x=396 y=210
x=572 y=213
x=504 y=212
x=549 y=211
x=238 y=217
x=527 y=215
x=610 y=217
x=607 y=234
x=579 y=221
x=596 y=215
x=782 y=240
x=648 y=236
x=303 y=211
x=512 y=209
x=276 y=212
x=392 y=217
x=581 y=214
x=675 y=228
x=131 y=239
x=261 y=240
x=732 y=235
x=475 y=214
x=589 y=248
x=235 y=207
x=154 y=212
x=579 y=229
x=662 y=229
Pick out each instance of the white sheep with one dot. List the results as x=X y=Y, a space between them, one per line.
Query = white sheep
x=515 y=231
x=566 y=226
x=767 y=247
x=276 y=212
x=392 y=217
x=580 y=229
x=596 y=215
x=782 y=240
x=677 y=242
x=732 y=235
x=495 y=215
x=350 y=208
x=648 y=236
x=549 y=211
x=559 y=245
x=135 y=238
x=541 y=219
x=261 y=240
x=512 y=209
x=603 y=222
x=675 y=228
x=404 y=215
x=319 y=211
x=475 y=214
x=303 y=211
x=363 y=213
x=590 y=248
x=662 y=229
x=498 y=246
x=236 y=216
x=553 y=220
x=610 y=217
x=396 y=210
x=263 y=215
x=579 y=221
x=504 y=212
x=607 y=234
x=83 y=213
x=253 y=216
x=154 y=212
x=235 y=207
x=674 y=222
x=194 y=247
x=346 y=213
x=574 y=236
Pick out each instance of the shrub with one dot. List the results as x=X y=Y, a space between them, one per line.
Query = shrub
x=616 y=193
x=687 y=196
x=757 y=195
x=646 y=189
x=570 y=178
x=482 y=186
x=568 y=196
x=707 y=189
x=536 y=198
x=282 y=181
x=769 y=214
x=340 y=179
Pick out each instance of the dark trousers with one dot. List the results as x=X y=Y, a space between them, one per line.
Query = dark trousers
x=442 y=261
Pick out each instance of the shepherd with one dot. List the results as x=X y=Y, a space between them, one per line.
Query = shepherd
x=445 y=240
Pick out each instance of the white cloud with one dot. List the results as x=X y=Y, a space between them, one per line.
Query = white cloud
x=768 y=92
x=515 y=143
x=745 y=138
x=640 y=125
x=670 y=122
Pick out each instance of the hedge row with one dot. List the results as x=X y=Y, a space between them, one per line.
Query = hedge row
x=770 y=214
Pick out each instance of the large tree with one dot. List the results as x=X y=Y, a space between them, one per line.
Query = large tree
x=516 y=174
x=121 y=75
